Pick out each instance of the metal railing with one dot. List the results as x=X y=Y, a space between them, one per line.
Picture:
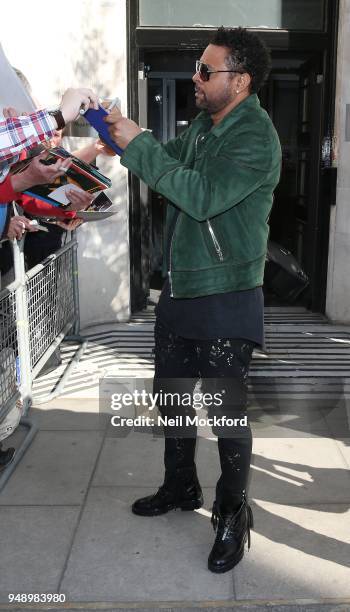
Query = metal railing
x=37 y=311
x=51 y=302
x=9 y=393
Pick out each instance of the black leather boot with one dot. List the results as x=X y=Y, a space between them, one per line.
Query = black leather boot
x=232 y=532
x=181 y=489
x=6 y=457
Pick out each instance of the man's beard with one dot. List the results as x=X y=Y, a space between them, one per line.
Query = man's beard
x=216 y=103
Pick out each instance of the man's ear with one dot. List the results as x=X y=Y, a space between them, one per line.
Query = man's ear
x=244 y=82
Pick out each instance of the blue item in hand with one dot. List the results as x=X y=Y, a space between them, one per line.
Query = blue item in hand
x=95 y=118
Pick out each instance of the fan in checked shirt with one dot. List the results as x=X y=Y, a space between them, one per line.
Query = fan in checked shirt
x=22 y=133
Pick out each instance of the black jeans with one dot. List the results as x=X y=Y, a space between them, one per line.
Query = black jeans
x=223 y=365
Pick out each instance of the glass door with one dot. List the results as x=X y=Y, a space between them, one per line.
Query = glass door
x=171 y=107
x=310 y=126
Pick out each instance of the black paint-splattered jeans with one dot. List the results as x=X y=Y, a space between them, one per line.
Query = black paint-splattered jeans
x=222 y=366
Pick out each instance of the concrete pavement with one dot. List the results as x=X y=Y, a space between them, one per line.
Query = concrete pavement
x=66 y=525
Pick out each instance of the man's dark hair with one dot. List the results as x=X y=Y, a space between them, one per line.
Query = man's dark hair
x=247 y=52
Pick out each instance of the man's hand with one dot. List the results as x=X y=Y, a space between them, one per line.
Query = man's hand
x=39 y=174
x=79 y=199
x=17 y=226
x=114 y=112
x=74 y=99
x=121 y=130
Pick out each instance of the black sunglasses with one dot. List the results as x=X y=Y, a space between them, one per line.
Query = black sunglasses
x=204 y=71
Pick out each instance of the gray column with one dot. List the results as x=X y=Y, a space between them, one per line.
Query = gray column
x=338 y=285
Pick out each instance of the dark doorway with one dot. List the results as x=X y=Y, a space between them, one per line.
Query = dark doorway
x=300 y=98
x=294 y=98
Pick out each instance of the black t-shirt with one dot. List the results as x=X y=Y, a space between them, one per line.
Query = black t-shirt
x=236 y=314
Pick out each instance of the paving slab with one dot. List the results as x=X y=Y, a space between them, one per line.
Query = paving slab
x=296 y=553
x=290 y=470
x=260 y=606
x=137 y=460
x=34 y=545
x=118 y=556
x=69 y=414
x=299 y=471
x=343 y=445
x=284 y=417
x=56 y=469
x=338 y=418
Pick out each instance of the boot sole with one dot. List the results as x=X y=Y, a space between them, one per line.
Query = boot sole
x=187 y=506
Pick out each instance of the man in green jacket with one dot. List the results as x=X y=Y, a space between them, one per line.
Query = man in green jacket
x=218 y=177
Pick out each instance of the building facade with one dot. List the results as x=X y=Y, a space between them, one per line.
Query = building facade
x=84 y=46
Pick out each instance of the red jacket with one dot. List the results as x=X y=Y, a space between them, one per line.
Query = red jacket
x=37 y=207
x=31 y=205
x=7 y=194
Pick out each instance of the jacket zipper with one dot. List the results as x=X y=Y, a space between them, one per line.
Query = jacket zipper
x=215 y=241
x=199 y=137
x=170 y=258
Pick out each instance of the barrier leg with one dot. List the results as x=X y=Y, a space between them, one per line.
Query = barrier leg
x=32 y=430
x=25 y=382
x=76 y=327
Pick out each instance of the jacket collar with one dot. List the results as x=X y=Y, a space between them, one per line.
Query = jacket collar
x=248 y=104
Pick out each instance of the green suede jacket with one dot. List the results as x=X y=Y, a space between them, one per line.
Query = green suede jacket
x=219 y=182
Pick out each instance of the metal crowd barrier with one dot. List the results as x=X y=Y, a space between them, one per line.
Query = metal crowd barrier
x=37 y=311
x=9 y=393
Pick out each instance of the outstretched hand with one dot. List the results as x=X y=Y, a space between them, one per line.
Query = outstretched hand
x=70 y=226
x=101 y=148
x=9 y=111
x=38 y=173
x=75 y=99
x=79 y=199
x=17 y=226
